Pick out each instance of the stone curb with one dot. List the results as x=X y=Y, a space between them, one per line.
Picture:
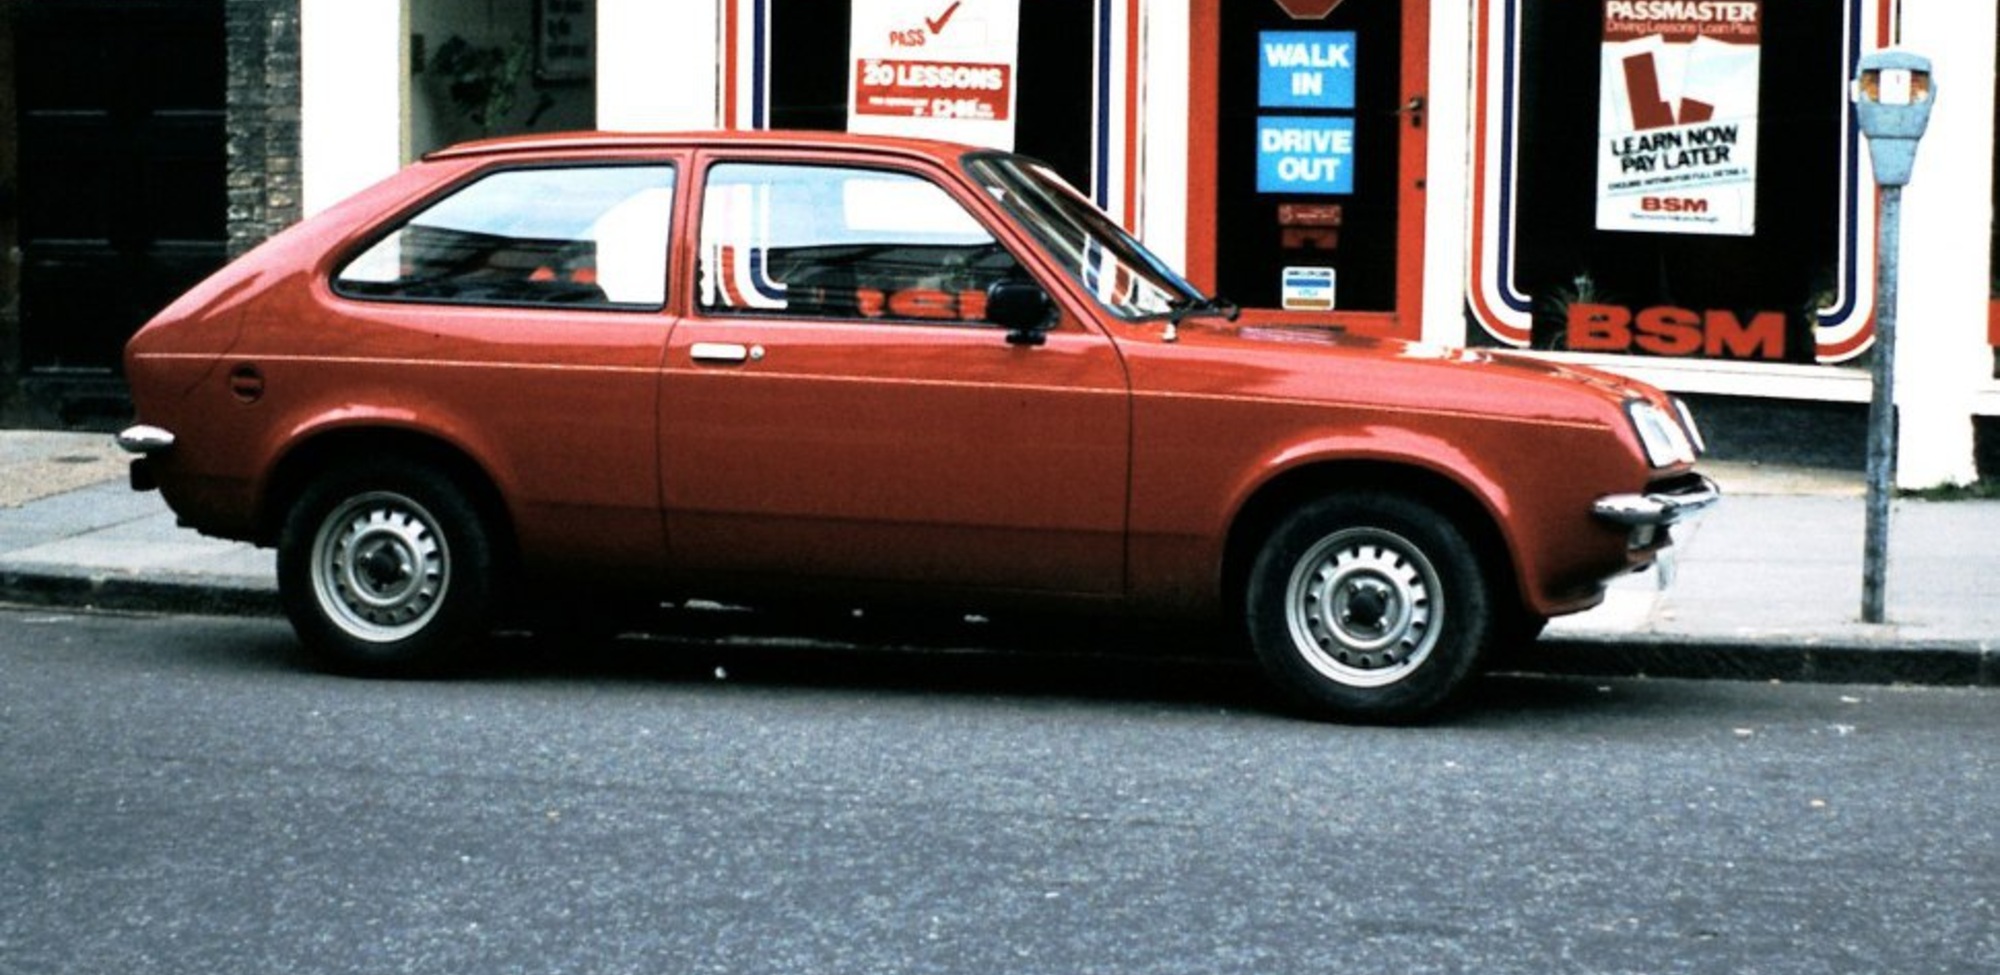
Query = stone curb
x=1959 y=663
x=122 y=593
x=1787 y=659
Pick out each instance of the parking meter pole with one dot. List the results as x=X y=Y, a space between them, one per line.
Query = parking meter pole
x=1882 y=412
x=1892 y=91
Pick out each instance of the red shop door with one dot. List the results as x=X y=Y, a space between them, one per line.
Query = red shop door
x=1306 y=169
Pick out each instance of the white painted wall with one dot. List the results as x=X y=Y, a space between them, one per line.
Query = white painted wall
x=658 y=64
x=1942 y=356
x=353 y=62
x=1448 y=173
x=1163 y=150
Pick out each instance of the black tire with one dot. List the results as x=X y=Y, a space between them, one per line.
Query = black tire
x=1368 y=607
x=387 y=569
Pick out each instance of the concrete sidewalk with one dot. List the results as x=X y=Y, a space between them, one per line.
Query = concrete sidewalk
x=1768 y=583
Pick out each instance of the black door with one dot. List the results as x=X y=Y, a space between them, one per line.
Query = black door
x=123 y=202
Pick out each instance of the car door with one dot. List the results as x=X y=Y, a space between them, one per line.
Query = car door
x=835 y=406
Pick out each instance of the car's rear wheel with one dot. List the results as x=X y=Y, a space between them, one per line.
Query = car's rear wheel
x=387 y=568
x=1368 y=606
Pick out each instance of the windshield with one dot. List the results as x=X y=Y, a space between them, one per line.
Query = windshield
x=1090 y=247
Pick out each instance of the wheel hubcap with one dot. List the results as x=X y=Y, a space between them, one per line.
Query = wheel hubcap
x=1364 y=607
x=380 y=567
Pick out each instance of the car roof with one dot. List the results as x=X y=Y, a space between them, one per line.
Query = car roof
x=565 y=142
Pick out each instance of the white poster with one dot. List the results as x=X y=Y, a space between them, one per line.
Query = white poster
x=935 y=69
x=1677 y=118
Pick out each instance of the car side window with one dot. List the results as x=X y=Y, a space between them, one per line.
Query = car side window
x=577 y=236
x=842 y=243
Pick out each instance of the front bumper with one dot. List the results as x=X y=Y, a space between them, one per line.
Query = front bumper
x=1675 y=501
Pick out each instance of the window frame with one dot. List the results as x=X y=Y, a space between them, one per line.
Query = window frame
x=944 y=185
x=402 y=219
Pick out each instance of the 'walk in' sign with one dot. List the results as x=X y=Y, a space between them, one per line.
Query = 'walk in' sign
x=1306 y=69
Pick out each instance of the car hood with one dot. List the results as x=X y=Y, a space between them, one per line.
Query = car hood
x=1291 y=361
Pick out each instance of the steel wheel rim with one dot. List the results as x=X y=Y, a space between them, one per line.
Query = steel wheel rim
x=380 y=567
x=1365 y=607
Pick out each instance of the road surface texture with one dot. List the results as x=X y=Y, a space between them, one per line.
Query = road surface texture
x=182 y=794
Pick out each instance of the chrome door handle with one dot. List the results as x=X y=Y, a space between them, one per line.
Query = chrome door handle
x=725 y=352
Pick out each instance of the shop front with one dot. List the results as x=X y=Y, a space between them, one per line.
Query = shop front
x=1669 y=188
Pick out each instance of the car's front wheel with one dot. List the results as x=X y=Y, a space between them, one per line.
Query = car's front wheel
x=1368 y=606
x=387 y=568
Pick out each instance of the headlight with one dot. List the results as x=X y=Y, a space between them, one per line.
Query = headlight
x=1687 y=423
x=1666 y=442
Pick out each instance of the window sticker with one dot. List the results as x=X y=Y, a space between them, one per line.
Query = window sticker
x=1309 y=289
x=940 y=69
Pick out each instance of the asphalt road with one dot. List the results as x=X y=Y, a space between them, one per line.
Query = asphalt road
x=181 y=795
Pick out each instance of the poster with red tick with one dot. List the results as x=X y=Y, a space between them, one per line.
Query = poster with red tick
x=1677 y=117
x=938 y=69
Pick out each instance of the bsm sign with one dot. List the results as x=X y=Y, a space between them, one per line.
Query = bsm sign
x=1669 y=331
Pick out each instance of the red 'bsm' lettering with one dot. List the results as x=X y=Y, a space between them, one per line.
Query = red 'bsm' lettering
x=1665 y=330
x=1673 y=204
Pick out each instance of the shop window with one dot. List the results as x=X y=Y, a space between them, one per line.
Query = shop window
x=586 y=237
x=1669 y=188
x=828 y=242
x=1054 y=74
x=485 y=68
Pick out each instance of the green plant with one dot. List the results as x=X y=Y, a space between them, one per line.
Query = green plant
x=1552 y=309
x=1980 y=490
x=481 y=81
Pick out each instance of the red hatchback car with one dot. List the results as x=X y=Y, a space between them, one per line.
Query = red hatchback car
x=754 y=365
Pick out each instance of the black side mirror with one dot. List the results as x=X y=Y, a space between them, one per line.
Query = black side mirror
x=1023 y=308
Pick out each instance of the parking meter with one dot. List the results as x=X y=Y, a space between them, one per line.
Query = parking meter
x=1893 y=91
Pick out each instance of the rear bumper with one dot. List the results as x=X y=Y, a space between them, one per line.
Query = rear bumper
x=146 y=441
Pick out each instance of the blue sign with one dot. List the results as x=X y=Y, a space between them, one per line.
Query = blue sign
x=1305 y=69
x=1305 y=154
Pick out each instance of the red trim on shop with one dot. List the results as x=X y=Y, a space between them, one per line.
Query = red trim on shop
x=1204 y=106
x=1482 y=94
x=1132 y=108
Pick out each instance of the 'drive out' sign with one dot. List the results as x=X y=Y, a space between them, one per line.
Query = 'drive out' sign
x=940 y=69
x=1305 y=154
x=1306 y=71
x=1677 y=118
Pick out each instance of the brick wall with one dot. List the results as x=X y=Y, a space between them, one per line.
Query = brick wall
x=263 y=119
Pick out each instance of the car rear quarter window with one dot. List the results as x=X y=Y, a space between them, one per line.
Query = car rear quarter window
x=843 y=243
x=577 y=236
